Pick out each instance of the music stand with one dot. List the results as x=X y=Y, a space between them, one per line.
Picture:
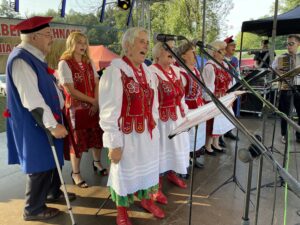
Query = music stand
x=192 y=119
x=294 y=184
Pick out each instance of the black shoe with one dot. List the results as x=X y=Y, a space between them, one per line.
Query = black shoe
x=208 y=152
x=218 y=150
x=48 y=213
x=198 y=164
x=222 y=142
x=231 y=136
x=198 y=153
x=184 y=176
x=60 y=198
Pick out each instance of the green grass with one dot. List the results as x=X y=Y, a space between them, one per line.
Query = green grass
x=2 y=108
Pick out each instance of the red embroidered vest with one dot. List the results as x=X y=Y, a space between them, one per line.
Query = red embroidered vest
x=170 y=93
x=83 y=80
x=222 y=81
x=137 y=103
x=193 y=92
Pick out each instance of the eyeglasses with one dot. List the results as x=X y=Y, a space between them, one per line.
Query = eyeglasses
x=290 y=43
x=45 y=35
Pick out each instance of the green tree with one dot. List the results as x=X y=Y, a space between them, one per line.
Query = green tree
x=250 y=41
x=185 y=17
x=288 y=5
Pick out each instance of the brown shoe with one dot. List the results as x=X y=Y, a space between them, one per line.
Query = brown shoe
x=48 y=213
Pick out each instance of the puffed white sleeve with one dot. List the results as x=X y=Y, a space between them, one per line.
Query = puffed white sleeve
x=64 y=73
x=110 y=105
x=209 y=80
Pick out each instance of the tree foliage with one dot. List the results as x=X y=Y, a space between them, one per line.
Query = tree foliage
x=6 y=10
x=185 y=17
x=288 y=5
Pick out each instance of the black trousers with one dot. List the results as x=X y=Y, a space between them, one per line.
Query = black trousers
x=285 y=101
x=38 y=187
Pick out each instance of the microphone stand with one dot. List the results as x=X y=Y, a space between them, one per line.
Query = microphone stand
x=249 y=88
x=233 y=177
x=294 y=184
x=261 y=158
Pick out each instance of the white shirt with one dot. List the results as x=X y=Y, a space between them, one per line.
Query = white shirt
x=26 y=82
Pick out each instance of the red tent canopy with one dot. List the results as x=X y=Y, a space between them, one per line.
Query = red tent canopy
x=101 y=56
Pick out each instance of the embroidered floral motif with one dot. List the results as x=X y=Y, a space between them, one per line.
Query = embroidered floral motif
x=133 y=87
x=78 y=77
x=166 y=87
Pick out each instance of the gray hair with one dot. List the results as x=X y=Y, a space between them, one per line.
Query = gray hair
x=217 y=45
x=156 y=50
x=129 y=36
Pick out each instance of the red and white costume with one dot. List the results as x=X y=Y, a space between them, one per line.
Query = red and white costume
x=193 y=98
x=173 y=153
x=218 y=81
x=128 y=116
x=82 y=76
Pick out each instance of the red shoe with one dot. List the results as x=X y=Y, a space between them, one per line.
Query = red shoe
x=159 y=196
x=149 y=205
x=122 y=217
x=176 y=180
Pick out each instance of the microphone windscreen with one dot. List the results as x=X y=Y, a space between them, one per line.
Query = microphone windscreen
x=244 y=155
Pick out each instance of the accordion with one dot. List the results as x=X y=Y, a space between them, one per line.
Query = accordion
x=285 y=64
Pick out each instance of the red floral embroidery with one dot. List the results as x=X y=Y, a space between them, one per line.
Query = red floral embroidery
x=50 y=70
x=6 y=113
x=56 y=116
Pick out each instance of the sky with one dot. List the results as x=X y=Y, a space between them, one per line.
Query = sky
x=243 y=10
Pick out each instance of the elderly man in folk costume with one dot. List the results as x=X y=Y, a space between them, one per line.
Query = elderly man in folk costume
x=128 y=116
x=173 y=153
x=218 y=81
x=31 y=85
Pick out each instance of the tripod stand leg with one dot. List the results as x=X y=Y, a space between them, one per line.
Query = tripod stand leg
x=103 y=204
x=230 y=179
x=233 y=178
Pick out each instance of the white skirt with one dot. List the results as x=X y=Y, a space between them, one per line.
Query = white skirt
x=201 y=134
x=139 y=165
x=222 y=125
x=173 y=153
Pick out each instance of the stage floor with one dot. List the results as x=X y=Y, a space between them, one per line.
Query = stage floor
x=225 y=207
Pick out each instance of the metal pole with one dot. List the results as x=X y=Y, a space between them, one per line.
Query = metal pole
x=274 y=32
x=245 y=218
x=203 y=32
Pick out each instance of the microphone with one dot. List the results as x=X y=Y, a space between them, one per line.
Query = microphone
x=254 y=52
x=202 y=45
x=247 y=155
x=168 y=37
